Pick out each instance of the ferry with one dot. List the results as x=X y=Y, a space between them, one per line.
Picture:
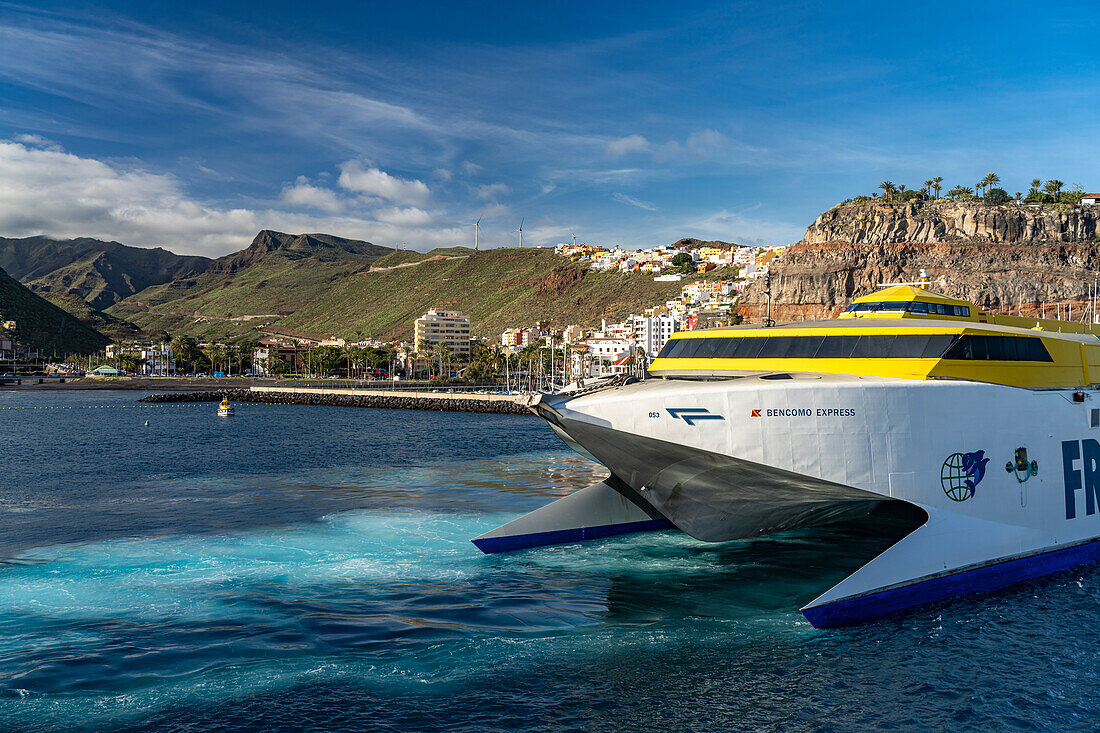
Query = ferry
x=983 y=427
x=225 y=409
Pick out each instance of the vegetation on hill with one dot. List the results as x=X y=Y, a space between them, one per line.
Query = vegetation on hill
x=114 y=328
x=497 y=288
x=42 y=325
x=101 y=273
x=1050 y=192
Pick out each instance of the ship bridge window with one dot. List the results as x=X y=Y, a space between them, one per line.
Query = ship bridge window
x=870 y=346
x=998 y=348
x=911 y=306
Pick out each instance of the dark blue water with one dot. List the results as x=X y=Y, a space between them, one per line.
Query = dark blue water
x=297 y=568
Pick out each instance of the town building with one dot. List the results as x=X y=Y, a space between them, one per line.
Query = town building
x=449 y=328
x=573 y=334
x=1090 y=198
x=652 y=332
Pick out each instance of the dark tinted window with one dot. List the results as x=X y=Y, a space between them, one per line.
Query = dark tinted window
x=894 y=306
x=998 y=348
x=776 y=347
x=804 y=347
x=885 y=346
x=749 y=348
x=707 y=348
x=872 y=346
x=671 y=347
x=921 y=346
x=1031 y=349
x=837 y=347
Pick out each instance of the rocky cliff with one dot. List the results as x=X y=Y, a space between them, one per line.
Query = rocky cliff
x=1010 y=258
x=950 y=221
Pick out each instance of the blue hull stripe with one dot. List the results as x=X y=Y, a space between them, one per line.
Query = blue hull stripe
x=976 y=580
x=489 y=545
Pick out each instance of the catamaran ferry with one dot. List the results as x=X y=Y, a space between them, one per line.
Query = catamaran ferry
x=986 y=426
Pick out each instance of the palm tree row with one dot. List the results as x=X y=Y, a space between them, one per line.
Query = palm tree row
x=1050 y=192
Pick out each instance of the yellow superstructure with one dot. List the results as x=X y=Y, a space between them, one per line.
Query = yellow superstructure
x=903 y=332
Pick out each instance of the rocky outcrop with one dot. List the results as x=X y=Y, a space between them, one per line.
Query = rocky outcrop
x=949 y=221
x=1010 y=258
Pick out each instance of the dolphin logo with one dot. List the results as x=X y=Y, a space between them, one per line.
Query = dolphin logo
x=973 y=465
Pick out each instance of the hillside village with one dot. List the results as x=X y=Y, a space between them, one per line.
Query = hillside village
x=442 y=342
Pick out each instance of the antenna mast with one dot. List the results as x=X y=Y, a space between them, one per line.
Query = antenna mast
x=768 y=294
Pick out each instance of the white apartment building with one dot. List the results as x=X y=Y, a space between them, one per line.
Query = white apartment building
x=449 y=328
x=603 y=353
x=652 y=332
x=158 y=360
x=744 y=255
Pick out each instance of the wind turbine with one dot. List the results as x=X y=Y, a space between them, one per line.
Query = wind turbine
x=475 y=232
x=574 y=239
x=520 y=230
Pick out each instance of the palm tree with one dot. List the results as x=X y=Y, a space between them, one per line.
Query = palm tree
x=1035 y=183
x=1053 y=187
x=990 y=179
x=887 y=188
x=936 y=184
x=978 y=186
x=966 y=191
x=927 y=187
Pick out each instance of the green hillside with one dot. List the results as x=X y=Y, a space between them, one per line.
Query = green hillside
x=310 y=296
x=41 y=324
x=111 y=327
x=101 y=273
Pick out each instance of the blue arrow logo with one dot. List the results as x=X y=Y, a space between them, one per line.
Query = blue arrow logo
x=691 y=414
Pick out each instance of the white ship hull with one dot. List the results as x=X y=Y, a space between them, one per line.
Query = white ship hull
x=740 y=457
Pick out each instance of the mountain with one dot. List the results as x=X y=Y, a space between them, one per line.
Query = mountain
x=114 y=328
x=41 y=324
x=1011 y=258
x=315 y=286
x=291 y=247
x=102 y=273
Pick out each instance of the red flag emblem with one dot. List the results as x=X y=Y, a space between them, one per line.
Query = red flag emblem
x=756 y=413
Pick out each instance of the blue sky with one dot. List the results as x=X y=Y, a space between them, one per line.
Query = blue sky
x=192 y=126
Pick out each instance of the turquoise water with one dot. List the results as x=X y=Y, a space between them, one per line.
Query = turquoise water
x=297 y=568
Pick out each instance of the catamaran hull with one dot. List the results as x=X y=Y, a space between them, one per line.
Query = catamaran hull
x=741 y=457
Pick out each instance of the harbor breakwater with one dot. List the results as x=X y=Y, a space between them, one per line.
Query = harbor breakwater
x=394 y=400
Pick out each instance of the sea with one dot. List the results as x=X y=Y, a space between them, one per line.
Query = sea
x=295 y=568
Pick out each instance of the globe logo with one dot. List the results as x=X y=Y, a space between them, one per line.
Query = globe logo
x=961 y=473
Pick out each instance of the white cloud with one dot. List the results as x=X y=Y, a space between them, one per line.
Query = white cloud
x=471 y=169
x=53 y=192
x=443 y=174
x=622 y=198
x=490 y=191
x=37 y=141
x=304 y=193
x=376 y=182
x=626 y=145
x=409 y=216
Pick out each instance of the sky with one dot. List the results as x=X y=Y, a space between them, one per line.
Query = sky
x=194 y=125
